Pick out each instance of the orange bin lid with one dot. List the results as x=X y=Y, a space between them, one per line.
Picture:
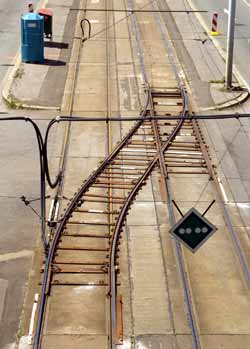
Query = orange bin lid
x=45 y=12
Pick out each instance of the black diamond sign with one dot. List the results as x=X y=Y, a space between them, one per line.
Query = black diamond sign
x=193 y=230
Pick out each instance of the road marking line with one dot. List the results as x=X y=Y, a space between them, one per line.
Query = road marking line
x=240 y=204
x=223 y=191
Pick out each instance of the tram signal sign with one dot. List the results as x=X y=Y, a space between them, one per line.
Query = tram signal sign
x=193 y=230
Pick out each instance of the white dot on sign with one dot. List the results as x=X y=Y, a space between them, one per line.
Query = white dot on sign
x=182 y=231
x=204 y=230
x=188 y=230
x=198 y=230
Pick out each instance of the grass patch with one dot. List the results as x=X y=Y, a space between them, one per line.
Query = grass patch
x=19 y=73
x=220 y=81
x=13 y=103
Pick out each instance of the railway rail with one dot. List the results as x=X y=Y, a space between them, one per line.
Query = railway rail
x=84 y=250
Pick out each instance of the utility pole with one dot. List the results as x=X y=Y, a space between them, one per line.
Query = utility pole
x=230 y=43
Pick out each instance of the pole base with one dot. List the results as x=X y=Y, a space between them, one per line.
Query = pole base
x=214 y=33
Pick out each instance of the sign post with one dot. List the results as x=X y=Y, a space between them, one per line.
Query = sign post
x=230 y=43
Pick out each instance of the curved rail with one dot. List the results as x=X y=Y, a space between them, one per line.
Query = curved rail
x=64 y=219
x=121 y=217
x=120 y=222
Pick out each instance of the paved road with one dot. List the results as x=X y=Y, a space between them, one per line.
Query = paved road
x=242 y=32
x=19 y=176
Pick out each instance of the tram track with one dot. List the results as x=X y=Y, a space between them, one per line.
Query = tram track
x=114 y=174
x=164 y=166
x=84 y=250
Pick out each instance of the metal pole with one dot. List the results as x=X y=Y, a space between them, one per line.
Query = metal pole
x=230 y=43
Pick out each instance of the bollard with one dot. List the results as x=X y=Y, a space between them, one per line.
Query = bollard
x=214 y=31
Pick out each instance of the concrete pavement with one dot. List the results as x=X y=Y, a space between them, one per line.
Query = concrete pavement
x=47 y=78
x=19 y=228
x=242 y=30
x=10 y=31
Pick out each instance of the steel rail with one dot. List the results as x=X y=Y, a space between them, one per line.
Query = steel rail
x=58 y=180
x=186 y=290
x=220 y=199
x=109 y=135
x=240 y=254
x=64 y=219
x=120 y=221
x=122 y=216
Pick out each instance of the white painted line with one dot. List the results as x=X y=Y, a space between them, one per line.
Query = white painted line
x=32 y=320
x=51 y=209
x=93 y=21
x=95 y=1
x=138 y=150
x=169 y=104
x=223 y=191
x=181 y=74
x=127 y=168
x=240 y=204
x=56 y=212
x=95 y=211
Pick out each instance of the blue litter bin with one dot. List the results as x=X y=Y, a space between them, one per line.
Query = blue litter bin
x=32 y=40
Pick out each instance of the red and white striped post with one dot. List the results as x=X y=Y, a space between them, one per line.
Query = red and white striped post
x=214 y=31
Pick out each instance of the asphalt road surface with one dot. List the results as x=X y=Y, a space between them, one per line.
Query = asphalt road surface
x=242 y=29
x=19 y=176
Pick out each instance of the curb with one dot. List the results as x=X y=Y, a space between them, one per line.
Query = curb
x=236 y=72
x=9 y=79
x=234 y=102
